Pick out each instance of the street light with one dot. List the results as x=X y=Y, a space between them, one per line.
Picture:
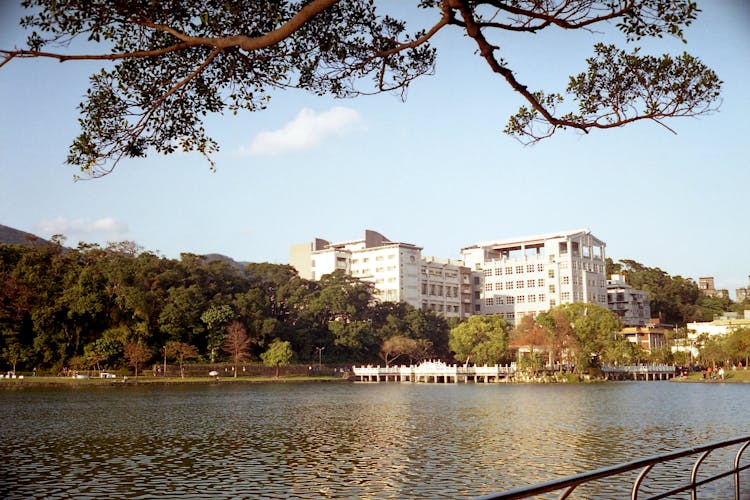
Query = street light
x=320 y=356
x=164 y=372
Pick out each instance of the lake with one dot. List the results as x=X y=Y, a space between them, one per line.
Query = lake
x=346 y=440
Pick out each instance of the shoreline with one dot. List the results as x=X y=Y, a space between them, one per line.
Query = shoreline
x=60 y=382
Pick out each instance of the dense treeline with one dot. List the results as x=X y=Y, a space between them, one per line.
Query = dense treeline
x=82 y=307
x=95 y=307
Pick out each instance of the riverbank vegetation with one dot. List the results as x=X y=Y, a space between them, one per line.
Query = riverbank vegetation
x=120 y=307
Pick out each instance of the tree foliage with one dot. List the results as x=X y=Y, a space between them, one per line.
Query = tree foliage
x=481 y=340
x=135 y=297
x=279 y=354
x=169 y=65
x=237 y=344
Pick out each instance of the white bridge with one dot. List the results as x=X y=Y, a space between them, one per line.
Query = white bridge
x=440 y=372
x=435 y=372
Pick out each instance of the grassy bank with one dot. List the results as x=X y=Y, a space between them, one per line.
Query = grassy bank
x=730 y=376
x=147 y=380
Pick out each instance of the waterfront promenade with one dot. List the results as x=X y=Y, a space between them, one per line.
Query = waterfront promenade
x=440 y=372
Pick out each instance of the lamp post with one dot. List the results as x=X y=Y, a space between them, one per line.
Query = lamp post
x=164 y=371
x=320 y=356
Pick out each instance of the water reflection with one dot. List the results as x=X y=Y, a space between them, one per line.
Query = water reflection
x=347 y=441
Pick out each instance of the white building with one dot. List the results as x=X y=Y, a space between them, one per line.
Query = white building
x=397 y=270
x=631 y=305
x=719 y=326
x=533 y=274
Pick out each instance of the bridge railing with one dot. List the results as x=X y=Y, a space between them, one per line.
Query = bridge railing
x=567 y=485
x=639 y=368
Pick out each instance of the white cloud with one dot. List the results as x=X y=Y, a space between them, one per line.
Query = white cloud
x=105 y=228
x=307 y=130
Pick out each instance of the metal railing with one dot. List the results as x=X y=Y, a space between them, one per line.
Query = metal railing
x=567 y=485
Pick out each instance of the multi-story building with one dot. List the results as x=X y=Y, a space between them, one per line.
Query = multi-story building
x=397 y=270
x=743 y=294
x=530 y=275
x=631 y=305
x=706 y=286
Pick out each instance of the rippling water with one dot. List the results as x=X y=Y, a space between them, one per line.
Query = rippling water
x=346 y=440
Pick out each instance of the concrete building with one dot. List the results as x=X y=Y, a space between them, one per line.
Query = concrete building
x=530 y=275
x=706 y=286
x=631 y=305
x=743 y=293
x=650 y=337
x=720 y=326
x=397 y=270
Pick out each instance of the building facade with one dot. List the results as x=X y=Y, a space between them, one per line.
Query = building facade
x=743 y=294
x=706 y=286
x=397 y=270
x=631 y=305
x=523 y=276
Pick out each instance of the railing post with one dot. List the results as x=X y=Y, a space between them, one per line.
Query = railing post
x=737 y=470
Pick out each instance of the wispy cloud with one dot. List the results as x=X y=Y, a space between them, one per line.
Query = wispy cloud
x=307 y=130
x=105 y=228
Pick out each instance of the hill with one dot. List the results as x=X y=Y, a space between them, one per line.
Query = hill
x=11 y=236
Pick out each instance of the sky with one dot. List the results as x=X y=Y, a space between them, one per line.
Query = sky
x=434 y=170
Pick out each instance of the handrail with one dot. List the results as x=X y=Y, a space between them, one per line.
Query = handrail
x=570 y=483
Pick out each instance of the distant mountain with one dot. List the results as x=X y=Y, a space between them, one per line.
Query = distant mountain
x=11 y=236
x=223 y=258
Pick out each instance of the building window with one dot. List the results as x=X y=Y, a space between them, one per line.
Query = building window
x=508 y=270
x=540 y=282
x=519 y=284
x=565 y=296
x=498 y=286
x=509 y=285
x=566 y=280
x=510 y=300
x=532 y=298
x=542 y=297
x=488 y=272
x=379 y=258
x=519 y=269
x=499 y=300
x=552 y=289
x=520 y=299
x=552 y=302
x=531 y=283
x=540 y=267
x=424 y=288
x=499 y=271
x=489 y=302
x=551 y=273
x=488 y=286
x=366 y=259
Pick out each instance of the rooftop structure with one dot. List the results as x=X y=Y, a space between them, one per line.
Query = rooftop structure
x=630 y=304
x=706 y=286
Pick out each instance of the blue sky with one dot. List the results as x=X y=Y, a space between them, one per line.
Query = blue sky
x=435 y=170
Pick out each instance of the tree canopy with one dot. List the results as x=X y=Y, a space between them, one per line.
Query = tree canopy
x=167 y=65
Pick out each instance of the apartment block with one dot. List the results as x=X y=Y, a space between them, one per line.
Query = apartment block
x=529 y=275
x=631 y=305
x=397 y=270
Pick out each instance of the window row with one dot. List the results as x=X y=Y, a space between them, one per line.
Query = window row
x=529 y=268
x=521 y=299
